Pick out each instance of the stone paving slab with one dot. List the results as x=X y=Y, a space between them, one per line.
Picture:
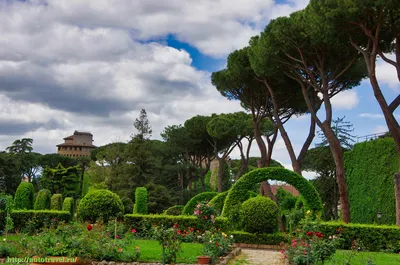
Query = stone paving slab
x=263 y=257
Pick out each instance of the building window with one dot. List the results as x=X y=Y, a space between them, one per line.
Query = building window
x=80 y=148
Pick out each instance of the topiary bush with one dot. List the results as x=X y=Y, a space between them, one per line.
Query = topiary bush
x=218 y=201
x=259 y=215
x=239 y=192
x=100 y=205
x=56 y=202
x=24 y=196
x=85 y=184
x=43 y=200
x=68 y=205
x=128 y=205
x=140 y=206
x=174 y=210
x=201 y=197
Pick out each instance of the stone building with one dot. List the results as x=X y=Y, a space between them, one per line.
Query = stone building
x=77 y=145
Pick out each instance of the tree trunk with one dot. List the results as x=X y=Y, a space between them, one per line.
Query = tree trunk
x=271 y=143
x=260 y=143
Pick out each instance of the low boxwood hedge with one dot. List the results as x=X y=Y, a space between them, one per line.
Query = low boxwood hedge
x=174 y=210
x=38 y=219
x=259 y=239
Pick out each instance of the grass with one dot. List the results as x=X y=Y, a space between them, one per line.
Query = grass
x=239 y=260
x=344 y=257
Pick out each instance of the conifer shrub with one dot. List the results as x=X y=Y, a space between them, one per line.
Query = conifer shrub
x=68 y=205
x=43 y=200
x=56 y=202
x=140 y=206
x=24 y=196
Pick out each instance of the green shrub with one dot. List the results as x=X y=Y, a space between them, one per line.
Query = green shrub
x=24 y=196
x=370 y=167
x=100 y=205
x=2 y=220
x=56 y=202
x=43 y=200
x=218 y=201
x=259 y=215
x=371 y=237
x=201 y=197
x=259 y=239
x=31 y=220
x=68 y=205
x=140 y=201
x=3 y=199
x=239 y=192
x=286 y=200
x=85 y=184
x=174 y=210
x=128 y=205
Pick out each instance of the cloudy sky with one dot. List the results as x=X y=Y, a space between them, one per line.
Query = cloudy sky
x=92 y=65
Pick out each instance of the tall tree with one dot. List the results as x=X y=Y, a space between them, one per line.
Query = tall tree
x=342 y=129
x=373 y=29
x=143 y=127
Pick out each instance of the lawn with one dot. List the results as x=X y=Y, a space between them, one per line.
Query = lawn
x=361 y=258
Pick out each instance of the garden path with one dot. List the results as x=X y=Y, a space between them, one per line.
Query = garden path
x=263 y=257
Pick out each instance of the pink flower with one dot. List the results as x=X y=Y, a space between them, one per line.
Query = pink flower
x=212 y=216
x=133 y=230
x=117 y=236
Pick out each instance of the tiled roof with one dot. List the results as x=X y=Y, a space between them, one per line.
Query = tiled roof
x=286 y=187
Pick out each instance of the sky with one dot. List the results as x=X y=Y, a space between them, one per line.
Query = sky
x=92 y=65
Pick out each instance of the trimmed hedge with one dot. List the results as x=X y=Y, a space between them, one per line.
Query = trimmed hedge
x=68 y=205
x=371 y=237
x=144 y=222
x=174 y=210
x=259 y=215
x=191 y=204
x=370 y=167
x=23 y=198
x=239 y=192
x=259 y=239
x=100 y=204
x=218 y=201
x=38 y=219
x=85 y=184
x=56 y=202
x=43 y=200
x=140 y=206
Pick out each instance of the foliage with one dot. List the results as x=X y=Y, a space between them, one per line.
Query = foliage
x=9 y=223
x=43 y=200
x=218 y=201
x=53 y=160
x=61 y=180
x=239 y=192
x=31 y=221
x=370 y=167
x=259 y=215
x=68 y=205
x=286 y=200
x=10 y=177
x=140 y=201
x=174 y=210
x=100 y=205
x=24 y=196
x=169 y=240
x=259 y=239
x=128 y=205
x=206 y=215
x=56 y=202
x=342 y=129
x=190 y=205
x=85 y=184
x=216 y=244
x=159 y=198
x=142 y=126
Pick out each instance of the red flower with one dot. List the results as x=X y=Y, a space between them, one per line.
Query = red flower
x=319 y=235
x=216 y=243
x=191 y=229
x=117 y=236
x=310 y=233
x=176 y=225
x=89 y=227
x=179 y=232
x=133 y=230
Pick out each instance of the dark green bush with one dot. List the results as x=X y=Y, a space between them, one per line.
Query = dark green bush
x=218 y=201
x=286 y=200
x=371 y=237
x=3 y=199
x=85 y=184
x=68 y=205
x=174 y=210
x=31 y=220
x=370 y=167
x=140 y=201
x=259 y=239
x=24 y=196
x=259 y=215
x=56 y=202
x=239 y=192
x=128 y=205
x=100 y=205
x=43 y=200
x=201 y=197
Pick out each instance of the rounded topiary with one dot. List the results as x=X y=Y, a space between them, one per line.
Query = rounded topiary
x=140 y=206
x=259 y=215
x=56 y=202
x=128 y=205
x=174 y=210
x=24 y=196
x=218 y=201
x=100 y=205
x=68 y=205
x=201 y=197
x=43 y=200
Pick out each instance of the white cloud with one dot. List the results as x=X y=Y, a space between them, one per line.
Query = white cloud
x=371 y=115
x=387 y=74
x=380 y=129
x=345 y=100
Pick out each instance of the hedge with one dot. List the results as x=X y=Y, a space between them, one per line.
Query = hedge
x=38 y=219
x=24 y=196
x=259 y=215
x=43 y=200
x=140 y=206
x=239 y=192
x=259 y=239
x=191 y=204
x=100 y=205
x=370 y=167
x=85 y=184
x=218 y=201
x=174 y=210
x=68 y=205
x=56 y=202
x=371 y=237
x=144 y=222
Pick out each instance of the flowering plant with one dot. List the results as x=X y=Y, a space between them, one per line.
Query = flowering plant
x=216 y=244
x=206 y=213
x=169 y=239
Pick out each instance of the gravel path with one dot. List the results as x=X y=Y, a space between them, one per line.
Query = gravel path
x=263 y=257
